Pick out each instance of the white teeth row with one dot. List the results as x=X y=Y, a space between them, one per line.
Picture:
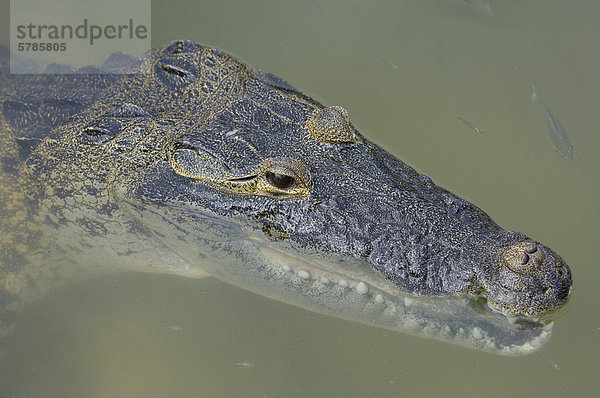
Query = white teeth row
x=475 y=333
x=360 y=287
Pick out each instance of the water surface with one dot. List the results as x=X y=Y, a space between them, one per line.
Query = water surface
x=405 y=71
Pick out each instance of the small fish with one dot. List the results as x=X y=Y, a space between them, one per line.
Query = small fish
x=554 y=364
x=555 y=129
x=388 y=63
x=482 y=6
x=175 y=328
x=469 y=125
x=243 y=364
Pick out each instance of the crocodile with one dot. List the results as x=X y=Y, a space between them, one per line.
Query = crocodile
x=200 y=165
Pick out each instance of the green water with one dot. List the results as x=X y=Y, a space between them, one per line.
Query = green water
x=404 y=70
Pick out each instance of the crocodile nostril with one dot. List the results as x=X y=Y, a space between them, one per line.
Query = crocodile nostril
x=522 y=258
x=531 y=250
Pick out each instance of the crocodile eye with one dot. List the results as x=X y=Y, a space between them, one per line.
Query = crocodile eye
x=280 y=181
x=283 y=178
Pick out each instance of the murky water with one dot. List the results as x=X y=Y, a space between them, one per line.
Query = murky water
x=405 y=71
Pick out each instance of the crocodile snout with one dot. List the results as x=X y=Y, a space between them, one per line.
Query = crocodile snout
x=532 y=280
x=524 y=257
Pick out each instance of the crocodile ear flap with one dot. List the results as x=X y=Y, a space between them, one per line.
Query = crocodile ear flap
x=331 y=125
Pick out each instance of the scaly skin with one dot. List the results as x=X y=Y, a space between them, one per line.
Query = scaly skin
x=202 y=164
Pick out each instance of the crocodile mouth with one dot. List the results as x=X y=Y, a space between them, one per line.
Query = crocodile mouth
x=353 y=273
x=466 y=320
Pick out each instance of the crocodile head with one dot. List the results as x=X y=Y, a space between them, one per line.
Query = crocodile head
x=270 y=190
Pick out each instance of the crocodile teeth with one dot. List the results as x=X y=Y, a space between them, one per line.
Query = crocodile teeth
x=303 y=274
x=362 y=288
